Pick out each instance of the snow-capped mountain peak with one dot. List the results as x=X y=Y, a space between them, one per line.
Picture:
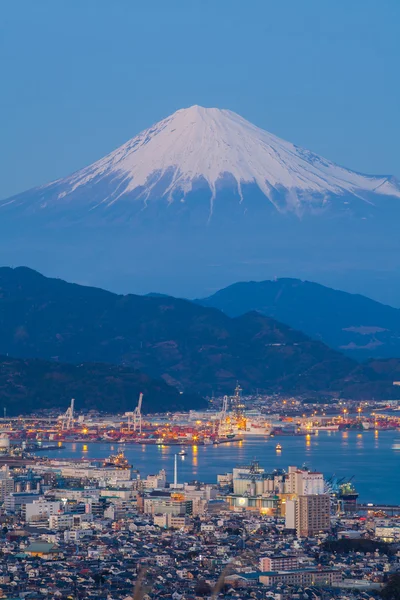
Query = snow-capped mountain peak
x=211 y=147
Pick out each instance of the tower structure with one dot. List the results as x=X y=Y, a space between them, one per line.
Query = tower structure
x=175 y=470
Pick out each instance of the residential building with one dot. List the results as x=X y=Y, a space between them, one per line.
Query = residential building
x=41 y=509
x=303 y=482
x=158 y=481
x=312 y=514
x=6 y=483
x=16 y=501
x=319 y=577
x=279 y=562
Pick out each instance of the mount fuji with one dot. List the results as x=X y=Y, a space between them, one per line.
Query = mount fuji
x=208 y=149
x=199 y=200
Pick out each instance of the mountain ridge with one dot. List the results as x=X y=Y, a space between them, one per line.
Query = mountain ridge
x=193 y=348
x=31 y=384
x=351 y=323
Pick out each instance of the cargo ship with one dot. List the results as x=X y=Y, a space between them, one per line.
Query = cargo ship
x=255 y=428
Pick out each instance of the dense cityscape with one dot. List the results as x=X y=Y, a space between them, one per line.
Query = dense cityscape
x=90 y=528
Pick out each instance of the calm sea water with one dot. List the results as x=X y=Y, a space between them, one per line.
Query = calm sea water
x=371 y=457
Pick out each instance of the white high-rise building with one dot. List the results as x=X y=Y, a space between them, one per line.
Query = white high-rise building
x=156 y=481
x=304 y=483
x=41 y=510
x=308 y=509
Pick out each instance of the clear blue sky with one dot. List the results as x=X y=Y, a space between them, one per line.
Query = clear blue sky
x=80 y=77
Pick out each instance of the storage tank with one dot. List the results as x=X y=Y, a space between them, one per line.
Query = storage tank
x=4 y=442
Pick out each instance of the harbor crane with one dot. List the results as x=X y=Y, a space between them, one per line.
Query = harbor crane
x=237 y=402
x=68 y=418
x=223 y=424
x=135 y=417
x=238 y=406
x=232 y=413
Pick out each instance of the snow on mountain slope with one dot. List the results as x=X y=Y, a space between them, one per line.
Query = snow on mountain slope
x=210 y=147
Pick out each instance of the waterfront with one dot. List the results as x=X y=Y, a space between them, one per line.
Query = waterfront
x=370 y=456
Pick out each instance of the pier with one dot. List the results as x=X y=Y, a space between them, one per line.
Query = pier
x=392 y=509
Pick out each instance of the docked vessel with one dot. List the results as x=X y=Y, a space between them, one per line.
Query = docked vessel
x=118 y=461
x=254 y=425
x=227 y=438
x=36 y=447
x=255 y=428
x=325 y=428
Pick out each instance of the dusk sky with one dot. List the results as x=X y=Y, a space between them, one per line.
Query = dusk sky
x=81 y=77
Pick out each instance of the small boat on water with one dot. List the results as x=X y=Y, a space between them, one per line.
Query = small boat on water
x=278 y=447
x=182 y=452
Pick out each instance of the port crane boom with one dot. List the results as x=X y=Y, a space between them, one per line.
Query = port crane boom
x=135 y=416
x=222 y=426
x=68 y=418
